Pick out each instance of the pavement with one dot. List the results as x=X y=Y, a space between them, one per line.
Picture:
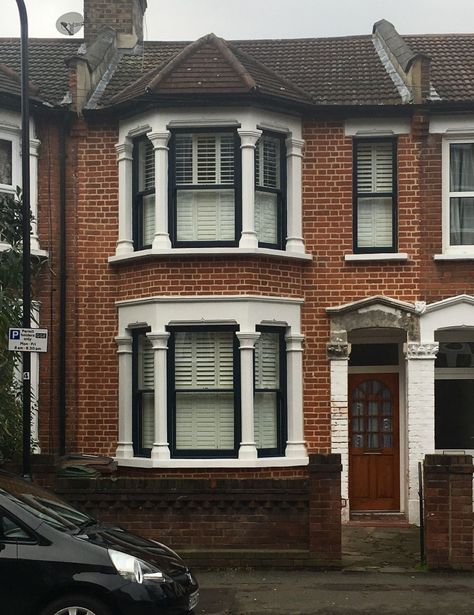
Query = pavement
x=381 y=575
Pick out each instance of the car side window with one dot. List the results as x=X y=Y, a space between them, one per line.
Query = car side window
x=11 y=531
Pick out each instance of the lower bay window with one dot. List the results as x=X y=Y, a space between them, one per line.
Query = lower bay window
x=212 y=391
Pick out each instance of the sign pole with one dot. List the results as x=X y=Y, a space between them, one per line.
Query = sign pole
x=26 y=223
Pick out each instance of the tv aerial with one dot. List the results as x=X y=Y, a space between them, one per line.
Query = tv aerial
x=69 y=23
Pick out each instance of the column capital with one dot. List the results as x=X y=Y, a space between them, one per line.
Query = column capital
x=124 y=344
x=294 y=147
x=338 y=351
x=34 y=147
x=247 y=339
x=159 y=139
x=159 y=341
x=249 y=138
x=124 y=150
x=418 y=350
x=294 y=343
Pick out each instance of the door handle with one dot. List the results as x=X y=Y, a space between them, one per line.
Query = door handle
x=373 y=452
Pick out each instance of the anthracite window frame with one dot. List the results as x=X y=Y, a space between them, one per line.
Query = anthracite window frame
x=393 y=195
x=137 y=397
x=173 y=189
x=202 y=453
x=138 y=196
x=280 y=192
x=281 y=395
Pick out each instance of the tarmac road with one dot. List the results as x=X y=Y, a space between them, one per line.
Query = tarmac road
x=279 y=592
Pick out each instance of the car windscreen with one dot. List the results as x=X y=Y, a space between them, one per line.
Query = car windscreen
x=43 y=504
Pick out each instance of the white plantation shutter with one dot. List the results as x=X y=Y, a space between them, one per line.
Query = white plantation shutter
x=374 y=167
x=267 y=162
x=146 y=364
x=204 y=159
x=148 y=222
x=205 y=215
x=148 y=420
x=205 y=421
x=146 y=161
x=266 y=217
x=184 y=159
x=374 y=222
x=204 y=416
x=267 y=376
x=265 y=420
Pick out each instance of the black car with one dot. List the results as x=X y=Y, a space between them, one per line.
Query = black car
x=55 y=560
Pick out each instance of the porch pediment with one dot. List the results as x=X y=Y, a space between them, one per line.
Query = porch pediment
x=374 y=303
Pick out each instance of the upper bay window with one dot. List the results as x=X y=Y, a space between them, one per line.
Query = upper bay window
x=6 y=163
x=204 y=189
x=460 y=197
x=209 y=185
x=375 y=210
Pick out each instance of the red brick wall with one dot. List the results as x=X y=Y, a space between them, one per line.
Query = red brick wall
x=448 y=511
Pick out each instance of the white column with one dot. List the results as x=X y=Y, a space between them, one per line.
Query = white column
x=160 y=449
x=294 y=156
x=125 y=176
x=34 y=153
x=248 y=140
x=295 y=446
x=125 y=438
x=160 y=145
x=338 y=354
x=420 y=360
x=248 y=449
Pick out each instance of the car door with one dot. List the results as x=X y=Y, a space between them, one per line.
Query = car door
x=14 y=592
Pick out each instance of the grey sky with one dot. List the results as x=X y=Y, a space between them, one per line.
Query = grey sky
x=234 y=19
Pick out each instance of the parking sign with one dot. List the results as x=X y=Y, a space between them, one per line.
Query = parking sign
x=28 y=340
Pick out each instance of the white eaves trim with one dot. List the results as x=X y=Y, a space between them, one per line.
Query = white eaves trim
x=377 y=127
x=463 y=124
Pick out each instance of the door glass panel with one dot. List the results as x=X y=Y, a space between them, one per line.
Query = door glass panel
x=371 y=415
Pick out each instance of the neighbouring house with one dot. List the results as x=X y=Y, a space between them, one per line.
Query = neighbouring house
x=257 y=250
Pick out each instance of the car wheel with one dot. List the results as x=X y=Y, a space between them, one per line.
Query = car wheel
x=76 y=605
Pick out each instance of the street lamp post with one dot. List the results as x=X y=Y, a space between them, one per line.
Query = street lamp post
x=26 y=223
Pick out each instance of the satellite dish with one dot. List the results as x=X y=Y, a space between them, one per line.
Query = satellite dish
x=70 y=23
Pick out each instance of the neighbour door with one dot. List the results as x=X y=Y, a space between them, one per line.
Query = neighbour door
x=374 y=466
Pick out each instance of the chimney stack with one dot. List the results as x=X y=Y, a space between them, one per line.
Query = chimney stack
x=123 y=16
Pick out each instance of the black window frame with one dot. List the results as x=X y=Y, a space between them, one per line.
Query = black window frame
x=137 y=398
x=202 y=453
x=282 y=395
x=280 y=192
x=393 y=194
x=173 y=188
x=138 y=196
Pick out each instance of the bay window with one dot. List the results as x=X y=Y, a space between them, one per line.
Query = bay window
x=375 y=217
x=143 y=393
x=461 y=194
x=204 y=191
x=270 y=179
x=6 y=162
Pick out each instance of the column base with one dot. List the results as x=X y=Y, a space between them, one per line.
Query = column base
x=295 y=244
x=414 y=512
x=296 y=450
x=248 y=239
x=161 y=241
x=160 y=451
x=124 y=246
x=124 y=450
x=248 y=451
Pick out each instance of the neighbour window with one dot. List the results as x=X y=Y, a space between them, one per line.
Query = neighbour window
x=203 y=395
x=144 y=193
x=270 y=179
x=143 y=383
x=461 y=194
x=6 y=158
x=204 y=190
x=375 y=191
x=454 y=395
x=270 y=392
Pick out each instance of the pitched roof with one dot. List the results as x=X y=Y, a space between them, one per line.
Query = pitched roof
x=211 y=65
x=47 y=68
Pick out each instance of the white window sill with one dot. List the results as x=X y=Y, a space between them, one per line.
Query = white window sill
x=454 y=257
x=262 y=462
x=202 y=252
x=34 y=252
x=377 y=256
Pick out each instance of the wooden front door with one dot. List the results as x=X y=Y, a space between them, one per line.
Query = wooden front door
x=374 y=466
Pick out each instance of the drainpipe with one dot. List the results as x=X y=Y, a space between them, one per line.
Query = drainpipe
x=62 y=287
